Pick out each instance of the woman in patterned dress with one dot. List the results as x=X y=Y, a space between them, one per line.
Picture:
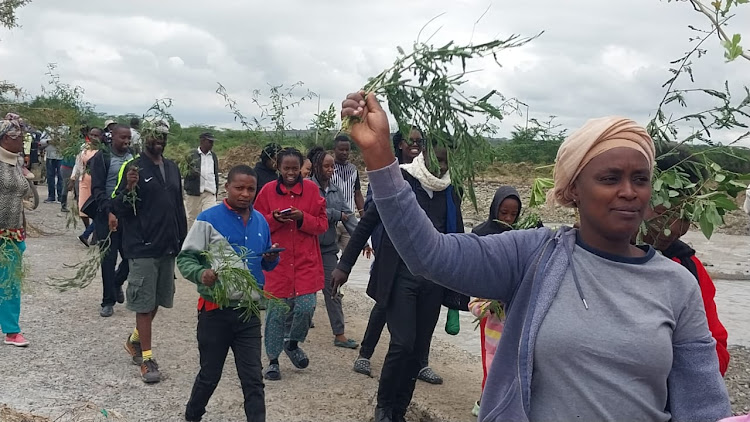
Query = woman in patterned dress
x=13 y=187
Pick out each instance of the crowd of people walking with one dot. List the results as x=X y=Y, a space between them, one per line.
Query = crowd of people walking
x=305 y=222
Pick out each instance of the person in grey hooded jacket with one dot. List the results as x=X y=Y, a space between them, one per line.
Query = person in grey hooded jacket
x=627 y=337
x=337 y=210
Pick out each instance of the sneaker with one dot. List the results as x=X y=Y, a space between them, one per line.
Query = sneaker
x=120 y=295
x=107 y=311
x=16 y=339
x=272 y=372
x=298 y=357
x=362 y=366
x=475 y=410
x=429 y=376
x=134 y=350
x=84 y=241
x=150 y=371
x=64 y=209
x=49 y=201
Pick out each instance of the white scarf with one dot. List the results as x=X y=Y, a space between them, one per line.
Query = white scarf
x=429 y=181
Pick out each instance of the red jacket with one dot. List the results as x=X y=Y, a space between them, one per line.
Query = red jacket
x=708 y=291
x=300 y=270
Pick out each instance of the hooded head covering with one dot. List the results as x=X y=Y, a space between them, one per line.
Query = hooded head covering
x=491 y=226
x=594 y=138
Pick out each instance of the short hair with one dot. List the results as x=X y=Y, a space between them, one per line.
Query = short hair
x=342 y=137
x=120 y=126
x=241 y=169
x=289 y=152
x=135 y=122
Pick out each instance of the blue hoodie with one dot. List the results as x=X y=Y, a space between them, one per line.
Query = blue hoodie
x=524 y=269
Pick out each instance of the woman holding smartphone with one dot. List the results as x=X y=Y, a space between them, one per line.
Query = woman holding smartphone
x=296 y=215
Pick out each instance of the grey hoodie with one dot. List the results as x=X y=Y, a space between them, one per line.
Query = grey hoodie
x=491 y=226
x=524 y=269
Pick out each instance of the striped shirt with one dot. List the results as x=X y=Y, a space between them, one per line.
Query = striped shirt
x=346 y=177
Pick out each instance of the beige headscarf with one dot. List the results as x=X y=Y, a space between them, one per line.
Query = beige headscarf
x=595 y=137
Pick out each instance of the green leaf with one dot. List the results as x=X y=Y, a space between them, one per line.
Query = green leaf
x=725 y=203
x=658 y=184
x=720 y=177
x=706 y=226
x=667 y=232
x=673 y=193
x=400 y=50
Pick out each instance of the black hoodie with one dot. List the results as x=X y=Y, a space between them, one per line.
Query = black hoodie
x=492 y=226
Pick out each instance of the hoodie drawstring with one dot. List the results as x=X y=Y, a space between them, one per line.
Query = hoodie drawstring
x=575 y=276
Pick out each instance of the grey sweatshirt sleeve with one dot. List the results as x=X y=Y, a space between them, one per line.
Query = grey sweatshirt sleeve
x=696 y=389
x=490 y=267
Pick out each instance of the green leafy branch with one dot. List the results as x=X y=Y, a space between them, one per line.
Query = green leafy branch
x=423 y=87
x=86 y=270
x=494 y=307
x=235 y=284
x=718 y=13
x=11 y=261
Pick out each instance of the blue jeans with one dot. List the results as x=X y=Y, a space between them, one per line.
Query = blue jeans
x=53 y=171
x=90 y=229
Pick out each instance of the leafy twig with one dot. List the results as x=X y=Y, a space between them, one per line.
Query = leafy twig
x=423 y=89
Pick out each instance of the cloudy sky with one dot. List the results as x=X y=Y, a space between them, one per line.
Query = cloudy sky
x=595 y=58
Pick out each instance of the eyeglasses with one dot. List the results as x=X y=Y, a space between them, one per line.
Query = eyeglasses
x=417 y=142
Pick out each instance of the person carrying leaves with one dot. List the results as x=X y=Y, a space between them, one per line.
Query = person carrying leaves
x=13 y=187
x=148 y=204
x=664 y=228
x=243 y=233
x=573 y=296
x=105 y=168
x=296 y=214
x=504 y=212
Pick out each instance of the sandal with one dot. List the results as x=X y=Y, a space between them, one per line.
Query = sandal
x=272 y=372
x=348 y=344
x=362 y=366
x=298 y=357
x=429 y=376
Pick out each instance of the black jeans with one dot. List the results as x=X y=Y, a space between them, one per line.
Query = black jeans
x=413 y=310
x=218 y=330
x=113 y=276
x=372 y=335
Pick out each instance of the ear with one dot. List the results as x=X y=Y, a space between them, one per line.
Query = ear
x=574 y=192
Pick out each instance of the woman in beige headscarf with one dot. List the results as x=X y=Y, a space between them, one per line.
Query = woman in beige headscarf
x=597 y=328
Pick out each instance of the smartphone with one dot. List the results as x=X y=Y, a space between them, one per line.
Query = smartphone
x=285 y=211
x=274 y=250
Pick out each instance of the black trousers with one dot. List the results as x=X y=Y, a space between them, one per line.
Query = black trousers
x=374 y=329
x=113 y=276
x=413 y=310
x=218 y=330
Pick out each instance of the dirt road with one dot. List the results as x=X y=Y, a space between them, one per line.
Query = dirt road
x=76 y=365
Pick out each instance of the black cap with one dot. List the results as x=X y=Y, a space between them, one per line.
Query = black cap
x=207 y=135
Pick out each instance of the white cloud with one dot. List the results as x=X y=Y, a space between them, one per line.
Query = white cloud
x=595 y=57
